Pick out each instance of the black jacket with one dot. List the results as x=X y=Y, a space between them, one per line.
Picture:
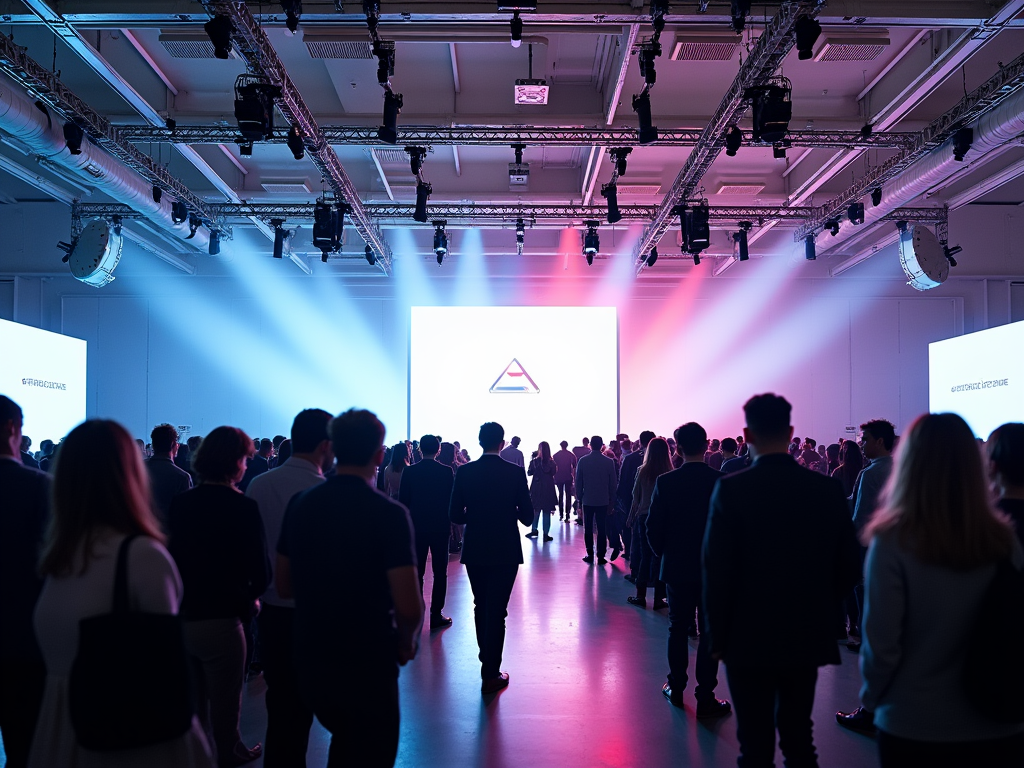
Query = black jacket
x=779 y=554
x=426 y=491
x=489 y=496
x=678 y=517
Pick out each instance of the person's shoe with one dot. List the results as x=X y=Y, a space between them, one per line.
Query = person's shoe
x=579 y=521
x=532 y=535
x=860 y=720
x=854 y=646
x=588 y=559
x=630 y=578
x=495 y=684
x=615 y=555
x=638 y=601
x=708 y=710
x=601 y=561
x=548 y=538
x=440 y=621
x=241 y=756
x=676 y=699
x=660 y=604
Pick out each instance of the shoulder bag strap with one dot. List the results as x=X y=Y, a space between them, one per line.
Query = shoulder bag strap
x=121 y=575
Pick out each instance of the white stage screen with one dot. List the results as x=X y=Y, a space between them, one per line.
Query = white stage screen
x=543 y=373
x=44 y=373
x=979 y=376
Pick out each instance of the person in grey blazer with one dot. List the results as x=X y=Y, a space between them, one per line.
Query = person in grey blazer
x=166 y=479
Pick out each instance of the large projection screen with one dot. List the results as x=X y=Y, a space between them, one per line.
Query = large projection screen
x=979 y=376
x=44 y=373
x=543 y=373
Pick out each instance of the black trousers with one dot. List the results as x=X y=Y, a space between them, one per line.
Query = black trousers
x=361 y=712
x=598 y=515
x=288 y=718
x=766 y=698
x=564 y=497
x=492 y=588
x=683 y=600
x=894 y=752
x=647 y=571
x=21 y=694
x=436 y=541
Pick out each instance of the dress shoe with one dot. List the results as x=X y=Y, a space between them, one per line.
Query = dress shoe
x=579 y=522
x=548 y=538
x=241 y=756
x=601 y=561
x=676 y=699
x=630 y=578
x=860 y=720
x=615 y=555
x=638 y=601
x=588 y=559
x=712 y=708
x=495 y=684
x=660 y=604
x=439 y=621
x=532 y=535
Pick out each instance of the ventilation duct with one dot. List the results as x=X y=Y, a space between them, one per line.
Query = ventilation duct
x=849 y=48
x=705 y=48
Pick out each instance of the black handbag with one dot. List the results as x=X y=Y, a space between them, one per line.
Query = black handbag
x=130 y=683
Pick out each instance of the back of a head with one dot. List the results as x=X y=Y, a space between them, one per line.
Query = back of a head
x=309 y=429
x=881 y=429
x=216 y=460
x=193 y=442
x=99 y=480
x=356 y=436
x=645 y=438
x=851 y=457
x=491 y=435
x=596 y=443
x=937 y=498
x=429 y=445
x=716 y=444
x=586 y=441
x=284 y=451
x=657 y=460
x=163 y=437
x=278 y=439
x=729 y=445
x=811 y=442
x=691 y=439
x=832 y=452
x=9 y=410
x=399 y=456
x=564 y=444
x=446 y=454
x=266 y=446
x=1006 y=452
x=544 y=450
x=768 y=416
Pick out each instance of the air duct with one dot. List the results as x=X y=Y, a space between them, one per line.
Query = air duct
x=43 y=133
x=991 y=131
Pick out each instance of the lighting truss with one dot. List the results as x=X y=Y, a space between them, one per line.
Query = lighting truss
x=761 y=64
x=986 y=97
x=44 y=86
x=253 y=45
x=487 y=135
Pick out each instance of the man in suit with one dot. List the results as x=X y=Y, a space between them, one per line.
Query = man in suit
x=426 y=491
x=258 y=464
x=779 y=550
x=489 y=495
x=166 y=479
x=27 y=458
x=675 y=531
x=24 y=509
x=596 y=480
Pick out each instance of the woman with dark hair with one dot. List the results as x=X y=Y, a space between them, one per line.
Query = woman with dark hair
x=446 y=455
x=1006 y=470
x=100 y=496
x=934 y=545
x=831 y=460
x=542 y=489
x=217 y=539
x=657 y=462
x=393 y=473
x=284 y=451
x=851 y=462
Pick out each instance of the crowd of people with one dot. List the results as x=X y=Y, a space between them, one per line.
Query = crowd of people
x=890 y=545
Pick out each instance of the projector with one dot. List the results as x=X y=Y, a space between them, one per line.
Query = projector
x=530 y=91
x=518 y=175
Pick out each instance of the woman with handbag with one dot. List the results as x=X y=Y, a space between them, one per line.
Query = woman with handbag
x=217 y=539
x=101 y=509
x=542 y=489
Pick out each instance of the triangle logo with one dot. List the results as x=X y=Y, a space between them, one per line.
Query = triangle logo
x=514 y=380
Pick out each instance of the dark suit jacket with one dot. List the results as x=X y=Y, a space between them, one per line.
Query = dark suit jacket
x=627 y=477
x=24 y=511
x=489 y=495
x=678 y=517
x=779 y=554
x=257 y=466
x=426 y=491
x=29 y=461
x=166 y=480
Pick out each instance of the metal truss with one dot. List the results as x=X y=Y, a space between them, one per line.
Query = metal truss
x=986 y=97
x=256 y=49
x=763 y=61
x=488 y=135
x=44 y=86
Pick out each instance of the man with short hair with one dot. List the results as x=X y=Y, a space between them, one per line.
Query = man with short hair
x=288 y=718
x=731 y=460
x=675 y=531
x=347 y=669
x=779 y=550
x=166 y=479
x=426 y=491
x=808 y=455
x=596 y=482
x=513 y=455
x=489 y=496
x=565 y=463
x=259 y=463
x=24 y=510
x=26 y=457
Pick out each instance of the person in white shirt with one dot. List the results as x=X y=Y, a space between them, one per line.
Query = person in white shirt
x=288 y=719
x=513 y=455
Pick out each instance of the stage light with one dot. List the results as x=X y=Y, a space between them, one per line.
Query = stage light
x=214 y=242
x=739 y=11
x=696 y=258
x=773 y=109
x=855 y=213
x=642 y=107
x=254 y=106
x=832 y=225
x=700 y=227
x=440 y=241
x=171 y=123
x=962 y=141
x=808 y=31
x=280 y=235
x=740 y=240
x=245 y=148
x=326 y=229
x=591 y=241
x=652 y=257
x=865 y=131
x=384 y=51
x=876 y=197
x=219 y=30
x=611 y=193
x=649 y=52
x=73 y=136
x=779 y=151
x=517 y=30
x=416 y=157
x=292 y=13
x=520 y=236
x=295 y=143
x=949 y=253
x=733 y=141
x=370 y=258
x=158 y=194
x=388 y=132
x=809 y=252
x=423 y=191
x=619 y=155
x=179 y=212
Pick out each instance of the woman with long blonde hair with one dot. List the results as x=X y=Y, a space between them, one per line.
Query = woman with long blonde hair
x=657 y=462
x=933 y=548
